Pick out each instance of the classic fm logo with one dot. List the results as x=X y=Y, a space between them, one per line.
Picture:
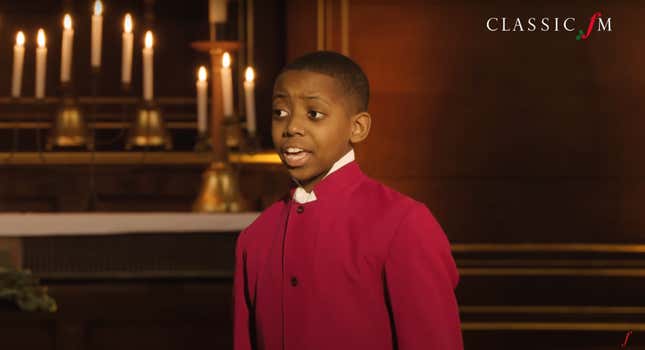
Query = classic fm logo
x=549 y=24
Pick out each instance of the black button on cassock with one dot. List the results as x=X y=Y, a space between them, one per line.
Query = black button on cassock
x=300 y=209
x=294 y=281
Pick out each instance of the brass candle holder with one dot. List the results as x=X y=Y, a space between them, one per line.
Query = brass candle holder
x=203 y=143
x=250 y=141
x=232 y=132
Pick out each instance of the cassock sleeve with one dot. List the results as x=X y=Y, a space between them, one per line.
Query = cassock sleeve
x=241 y=325
x=420 y=277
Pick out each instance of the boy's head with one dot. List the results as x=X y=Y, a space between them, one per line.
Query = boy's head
x=319 y=110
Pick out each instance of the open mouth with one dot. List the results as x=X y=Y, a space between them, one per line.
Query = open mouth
x=295 y=157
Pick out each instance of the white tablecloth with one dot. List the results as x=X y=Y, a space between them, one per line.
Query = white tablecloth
x=36 y=224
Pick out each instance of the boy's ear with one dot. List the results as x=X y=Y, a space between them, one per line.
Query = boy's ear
x=361 y=123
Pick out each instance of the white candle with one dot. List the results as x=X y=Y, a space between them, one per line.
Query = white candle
x=249 y=97
x=18 y=63
x=97 y=33
x=216 y=11
x=126 y=57
x=202 y=87
x=147 y=67
x=41 y=65
x=66 y=50
x=227 y=85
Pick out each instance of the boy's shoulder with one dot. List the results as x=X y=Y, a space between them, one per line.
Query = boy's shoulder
x=268 y=213
x=386 y=197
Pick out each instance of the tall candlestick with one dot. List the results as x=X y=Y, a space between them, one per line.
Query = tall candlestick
x=217 y=11
x=249 y=97
x=66 y=50
x=227 y=85
x=97 y=34
x=18 y=61
x=148 y=53
x=202 y=87
x=41 y=64
x=126 y=57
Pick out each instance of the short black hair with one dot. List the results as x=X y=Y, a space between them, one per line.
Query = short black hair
x=339 y=67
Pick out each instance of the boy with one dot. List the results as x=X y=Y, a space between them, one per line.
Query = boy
x=342 y=262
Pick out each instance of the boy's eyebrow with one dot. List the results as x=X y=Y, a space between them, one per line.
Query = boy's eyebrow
x=314 y=97
x=281 y=94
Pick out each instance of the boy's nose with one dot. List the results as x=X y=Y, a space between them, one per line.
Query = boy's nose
x=294 y=127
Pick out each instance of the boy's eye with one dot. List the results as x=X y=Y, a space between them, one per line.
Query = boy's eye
x=314 y=115
x=279 y=113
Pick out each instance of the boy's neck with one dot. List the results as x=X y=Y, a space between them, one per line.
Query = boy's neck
x=308 y=185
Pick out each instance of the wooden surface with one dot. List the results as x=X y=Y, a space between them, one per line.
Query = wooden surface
x=267 y=158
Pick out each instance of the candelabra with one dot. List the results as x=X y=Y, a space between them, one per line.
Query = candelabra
x=220 y=187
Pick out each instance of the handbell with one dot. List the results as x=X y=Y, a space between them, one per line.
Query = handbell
x=148 y=130
x=220 y=191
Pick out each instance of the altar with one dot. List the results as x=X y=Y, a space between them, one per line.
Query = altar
x=87 y=224
x=162 y=279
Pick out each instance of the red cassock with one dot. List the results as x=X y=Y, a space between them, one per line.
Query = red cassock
x=361 y=267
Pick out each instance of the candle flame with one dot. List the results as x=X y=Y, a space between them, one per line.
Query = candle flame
x=41 y=38
x=202 y=73
x=20 y=38
x=98 y=8
x=127 y=23
x=67 y=22
x=148 y=39
x=249 y=75
x=226 y=60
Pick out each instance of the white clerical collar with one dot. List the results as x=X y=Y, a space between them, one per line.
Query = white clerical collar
x=302 y=196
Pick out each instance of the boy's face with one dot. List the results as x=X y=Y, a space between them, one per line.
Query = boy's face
x=311 y=124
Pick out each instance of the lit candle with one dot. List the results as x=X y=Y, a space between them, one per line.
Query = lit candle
x=216 y=11
x=147 y=67
x=66 y=50
x=202 y=87
x=18 y=60
x=249 y=97
x=97 y=33
x=41 y=65
x=126 y=58
x=227 y=85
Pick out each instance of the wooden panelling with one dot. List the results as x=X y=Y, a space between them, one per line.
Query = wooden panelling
x=143 y=187
x=132 y=315
x=534 y=136
x=523 y=209
x=301 y=27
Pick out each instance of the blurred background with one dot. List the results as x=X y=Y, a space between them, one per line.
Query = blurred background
x=525 y=146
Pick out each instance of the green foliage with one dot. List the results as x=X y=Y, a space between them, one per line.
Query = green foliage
x=22 y=288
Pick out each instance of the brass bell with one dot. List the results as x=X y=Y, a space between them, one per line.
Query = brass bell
x=70 y=129
x=148 y=130
x=220 y=191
